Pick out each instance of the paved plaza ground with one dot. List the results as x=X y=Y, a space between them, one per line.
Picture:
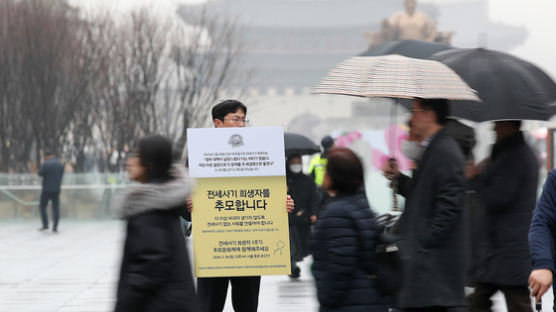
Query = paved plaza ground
x=76 y=270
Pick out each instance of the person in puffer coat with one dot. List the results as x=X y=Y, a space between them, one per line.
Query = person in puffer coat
x=344 y=241
x=155 y=273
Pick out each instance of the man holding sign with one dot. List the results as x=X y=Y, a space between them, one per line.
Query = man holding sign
x=236 y=197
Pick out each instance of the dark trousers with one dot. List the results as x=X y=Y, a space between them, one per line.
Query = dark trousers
x=55 y=198
x=211 y=292
x=518 y=298
x=436 y=309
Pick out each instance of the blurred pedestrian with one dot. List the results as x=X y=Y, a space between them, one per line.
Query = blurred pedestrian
x=506 y=184
x=344 y=241
x=431 y=226
x=155 y=272
x=302 y=189
x=317 y=168
x=542 y=235
x=52 y=172
x=212 y=291
x=474 y=219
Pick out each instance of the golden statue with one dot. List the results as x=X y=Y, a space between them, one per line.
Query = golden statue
x=411 y=24
x=408 y=24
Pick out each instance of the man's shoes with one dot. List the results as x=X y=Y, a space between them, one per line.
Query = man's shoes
x=54 y=230
x=43 y=229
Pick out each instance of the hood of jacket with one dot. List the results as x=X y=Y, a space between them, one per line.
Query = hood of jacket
x=140 y=198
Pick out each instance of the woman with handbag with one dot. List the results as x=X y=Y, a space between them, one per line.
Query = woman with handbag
x=344 y=241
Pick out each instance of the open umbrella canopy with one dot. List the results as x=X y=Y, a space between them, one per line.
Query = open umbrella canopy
x=395 y=76
x=411 y=48
x=509 y=87
x=299 y=144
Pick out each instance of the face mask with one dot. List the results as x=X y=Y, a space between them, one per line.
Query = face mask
x=412 y=150
x=296 y=168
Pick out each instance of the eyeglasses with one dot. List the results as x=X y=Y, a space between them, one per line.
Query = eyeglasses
x=417 y=110
x=237 y=120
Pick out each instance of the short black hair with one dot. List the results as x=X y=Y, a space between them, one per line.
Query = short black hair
x=327 y=142
x=155 y=154
x=220 y=110
x=439 y=106
x=345 y=170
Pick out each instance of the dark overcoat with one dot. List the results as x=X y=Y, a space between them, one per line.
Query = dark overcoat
x=303 y=191
x=507 y=190
x=431 y=228
x=344 y=243
x=155 y=273
x=52 y=172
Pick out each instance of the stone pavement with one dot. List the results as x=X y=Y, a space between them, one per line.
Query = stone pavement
x=77 y=269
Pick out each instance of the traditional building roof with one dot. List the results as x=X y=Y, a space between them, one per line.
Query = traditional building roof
x=293 y=43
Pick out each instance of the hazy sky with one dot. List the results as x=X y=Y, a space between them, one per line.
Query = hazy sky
x=536 y=15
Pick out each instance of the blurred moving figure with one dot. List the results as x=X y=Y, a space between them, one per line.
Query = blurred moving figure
x=317 y=168
x=431 y=226
x=302 y=189
x=52 y=172
x=506 y=184
x=344 y=240
x=542 y=235
x=155 y=273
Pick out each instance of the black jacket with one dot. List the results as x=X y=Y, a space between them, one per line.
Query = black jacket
x=303 y=191
x=542 y=232
x=507 y=190
x=431 y=228
x=52 y=172
x=344 y=243
x=155 y=273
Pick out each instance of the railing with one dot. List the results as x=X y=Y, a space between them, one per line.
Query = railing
x=83 y=196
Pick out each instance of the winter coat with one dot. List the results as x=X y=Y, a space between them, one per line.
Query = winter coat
x=52 y=172
x=431 y=228
x=302 y=189
x=344 y=243
x=507 y=190
x=155 y=273
x=542 y=233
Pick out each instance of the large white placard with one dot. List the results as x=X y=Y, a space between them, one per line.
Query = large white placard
x=236 y=152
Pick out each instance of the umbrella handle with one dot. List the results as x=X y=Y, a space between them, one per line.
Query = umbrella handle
x=538 y=306
x=394 y=185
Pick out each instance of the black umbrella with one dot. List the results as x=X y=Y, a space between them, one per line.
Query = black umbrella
x=509 y=87
x=299 y=144
x=410 y=48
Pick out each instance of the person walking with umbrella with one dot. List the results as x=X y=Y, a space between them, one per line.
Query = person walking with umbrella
x=431 y=226
x=506 y=184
